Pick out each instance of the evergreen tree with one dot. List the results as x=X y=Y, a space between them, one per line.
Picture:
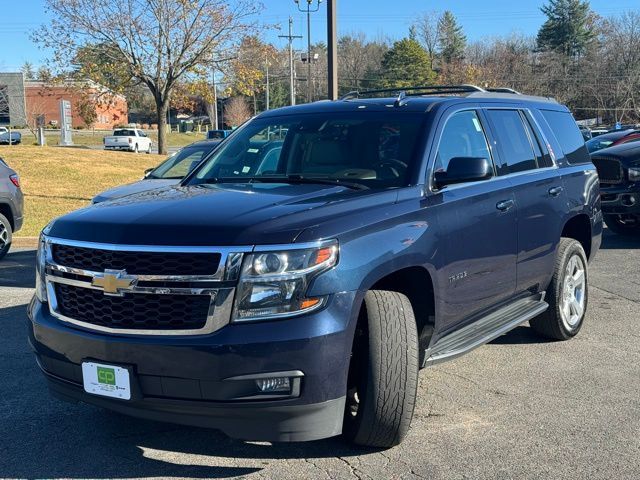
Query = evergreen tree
x=568 y=29
x=28 y=71
x=407 y=64
x=451 y=39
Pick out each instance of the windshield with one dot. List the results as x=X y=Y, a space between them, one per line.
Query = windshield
x=596 y=144
x=184 y=161
x=373 y=149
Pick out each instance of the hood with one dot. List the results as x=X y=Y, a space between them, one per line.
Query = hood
x=220 y=214
x=131 y=188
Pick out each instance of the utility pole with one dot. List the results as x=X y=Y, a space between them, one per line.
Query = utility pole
x=332 y=42
x=267 y=92
x=290 y=38
x=309 y=11
x=215 y=98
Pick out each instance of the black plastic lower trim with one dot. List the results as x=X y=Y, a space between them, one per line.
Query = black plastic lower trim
x=249 y=421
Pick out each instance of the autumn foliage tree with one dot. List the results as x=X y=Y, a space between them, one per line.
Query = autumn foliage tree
x=156 y=42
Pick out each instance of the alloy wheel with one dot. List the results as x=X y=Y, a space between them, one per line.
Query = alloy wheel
x=572 y=304
x=4 y=236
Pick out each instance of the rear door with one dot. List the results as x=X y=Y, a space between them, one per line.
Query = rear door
x=539 y=194
x=477 y=227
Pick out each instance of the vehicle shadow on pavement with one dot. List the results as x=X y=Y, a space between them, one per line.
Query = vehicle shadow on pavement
x=521 y=335
x=17 y=269
x=612 y=241
x=43 y=437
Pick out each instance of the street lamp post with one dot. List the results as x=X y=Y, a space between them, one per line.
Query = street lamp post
x=309 y=10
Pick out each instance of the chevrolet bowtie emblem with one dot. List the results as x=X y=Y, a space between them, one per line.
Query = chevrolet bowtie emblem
x=113 y=281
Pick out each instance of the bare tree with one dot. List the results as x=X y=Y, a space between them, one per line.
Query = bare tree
x=429 y=33
x=159 y=41
x=4 y=102
x=237 y=111
x=359 y=59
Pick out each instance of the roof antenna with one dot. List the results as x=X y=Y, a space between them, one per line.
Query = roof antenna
x=401 y=100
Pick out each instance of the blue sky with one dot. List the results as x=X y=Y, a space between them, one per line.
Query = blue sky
x=376 y=18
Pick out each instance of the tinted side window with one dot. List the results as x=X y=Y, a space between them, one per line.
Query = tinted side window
x=566 y=131
x=462 y=136
x=513 y=140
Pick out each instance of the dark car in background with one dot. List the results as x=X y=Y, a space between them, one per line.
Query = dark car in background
x=218 y=134
x=586 y=133
x=612 y=139
x=11 y=206
x=619 y=172
x=169 y=172
x=9 y=137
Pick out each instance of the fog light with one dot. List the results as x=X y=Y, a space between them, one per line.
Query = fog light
x=274 y=384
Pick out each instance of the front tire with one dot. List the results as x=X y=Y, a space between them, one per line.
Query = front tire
x=567 y=295
x=623 y=224
x=383 y=374
x=6 y=236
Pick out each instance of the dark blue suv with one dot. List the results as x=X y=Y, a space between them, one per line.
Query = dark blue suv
x=294 y=295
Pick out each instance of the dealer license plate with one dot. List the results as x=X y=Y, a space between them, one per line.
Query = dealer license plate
x=106 y=380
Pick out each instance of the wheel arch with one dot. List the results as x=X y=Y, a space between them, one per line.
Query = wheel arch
x=578 y=227
x=5 y=209
x=416 y=282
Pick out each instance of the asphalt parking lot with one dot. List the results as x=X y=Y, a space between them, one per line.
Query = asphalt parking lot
x=520 y=407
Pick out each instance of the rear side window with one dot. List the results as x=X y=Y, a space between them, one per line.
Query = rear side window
x=566 y=131
x=462 y=136
x=513 y=140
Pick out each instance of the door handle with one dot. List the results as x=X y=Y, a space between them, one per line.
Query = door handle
x=505 y=205
x=555 y=191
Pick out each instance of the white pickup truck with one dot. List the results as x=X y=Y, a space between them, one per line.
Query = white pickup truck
x=130 y=139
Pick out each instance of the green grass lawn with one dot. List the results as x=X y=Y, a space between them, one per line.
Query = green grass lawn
x=58 y=180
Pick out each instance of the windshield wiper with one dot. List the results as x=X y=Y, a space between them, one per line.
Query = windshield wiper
x=294 y=179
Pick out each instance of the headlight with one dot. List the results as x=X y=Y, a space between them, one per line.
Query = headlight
x=274 y=284
x=634 y=174
x=41 y=257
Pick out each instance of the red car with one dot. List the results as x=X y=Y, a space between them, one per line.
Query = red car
x=612 y=139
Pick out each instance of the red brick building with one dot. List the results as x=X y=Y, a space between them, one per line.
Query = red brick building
x=108 y=108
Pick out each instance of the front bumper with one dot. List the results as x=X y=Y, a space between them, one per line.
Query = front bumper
x=188 y=380
x=620 y=199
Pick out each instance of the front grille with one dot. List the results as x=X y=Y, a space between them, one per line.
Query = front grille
x=133 y=311
x=136 y=263
x=609 y=170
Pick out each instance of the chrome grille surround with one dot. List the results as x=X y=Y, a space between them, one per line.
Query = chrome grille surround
x=220 y=286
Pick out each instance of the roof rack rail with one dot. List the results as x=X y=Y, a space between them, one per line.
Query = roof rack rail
x=503 y=90
x=418 y=90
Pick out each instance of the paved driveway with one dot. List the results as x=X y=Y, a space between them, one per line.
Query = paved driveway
x=520 y=407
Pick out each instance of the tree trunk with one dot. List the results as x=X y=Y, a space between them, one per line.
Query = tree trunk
x=161 y=112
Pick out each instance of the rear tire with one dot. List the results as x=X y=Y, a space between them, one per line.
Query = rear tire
x=567 y=295
x=383 y=374
x=623 y=224
x=6 y=236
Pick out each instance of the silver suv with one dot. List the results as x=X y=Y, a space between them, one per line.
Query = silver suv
x=11 y=206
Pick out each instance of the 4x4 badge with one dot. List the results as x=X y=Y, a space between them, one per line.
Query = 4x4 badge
x=113 y=281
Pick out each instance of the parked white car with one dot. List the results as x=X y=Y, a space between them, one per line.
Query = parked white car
x=130 y=139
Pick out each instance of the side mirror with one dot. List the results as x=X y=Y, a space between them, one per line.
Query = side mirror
x=464 y=169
